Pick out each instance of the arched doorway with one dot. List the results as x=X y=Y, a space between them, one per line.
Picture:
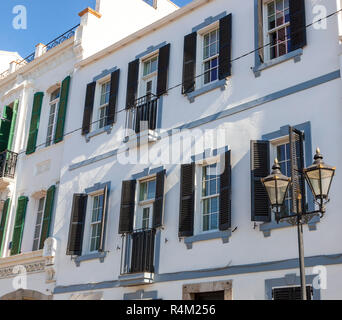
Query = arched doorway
x=22 y=294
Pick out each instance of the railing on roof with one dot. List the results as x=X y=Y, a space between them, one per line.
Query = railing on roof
x=52 y=44
x=65 y=36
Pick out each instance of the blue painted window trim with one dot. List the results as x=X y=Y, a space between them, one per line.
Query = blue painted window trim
x=105 y=73
x=140 y=295
x=224 y=235
x=288 y=281
x=88 y=257
x=150 y=50
x=209 y=153
x=97 y=187
x=222 y=84
x=284 y=131
x=96 y=255
x=208 y=21
x=259 y=66
x=97 y=132
x=295 y=55
x=147 y=172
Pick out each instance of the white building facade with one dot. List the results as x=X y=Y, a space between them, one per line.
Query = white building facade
x=133 y=153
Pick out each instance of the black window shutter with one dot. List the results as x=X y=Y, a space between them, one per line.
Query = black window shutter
x=113 y=97
x=158 y=206
x=297 y=24
x=104 y=218
x=187 y=200
x=132 y=83
x=226 y=193
x=77 y=221
x=297 y=164
x=163 y=69
x=189 y=63
x=260 y=168
x=225 y=65
x=127 y=206
x=88 y=107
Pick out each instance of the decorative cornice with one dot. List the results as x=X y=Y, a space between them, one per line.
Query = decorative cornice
x=92 y=11
x=32 y=262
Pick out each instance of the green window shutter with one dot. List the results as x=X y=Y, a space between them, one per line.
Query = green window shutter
x=19 y=225
x=13 y=124
x=3 y=223
x=34 y=126
x=5 y=126
x=45 y=233
x=62 y=110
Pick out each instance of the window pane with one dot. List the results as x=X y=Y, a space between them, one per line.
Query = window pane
x=143 y=191
x=206 y=206
x=151 y=189
x=206 y=40
x=271 y=22
x=146 y=68
x=206 y=53
x=214 y=204
x=281 y=153
x=206 y=223
x=270 y=8
x=154 y=65
x=214 y=221
x=279 y=5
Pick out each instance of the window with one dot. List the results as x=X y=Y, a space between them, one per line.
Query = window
x=39 y=222
x=277 y=20
x=211 y=56
x=54 y=100
x=210 y=197
x=104 y=102
x=149 y=77
x=291 y=293
x=144 y=217
x=282 y=153
x=96 y=221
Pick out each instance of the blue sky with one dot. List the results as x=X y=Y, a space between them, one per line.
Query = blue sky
x=46 y=20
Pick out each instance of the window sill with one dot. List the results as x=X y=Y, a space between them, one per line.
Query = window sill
x=224 y=235
x=267 y=227
x=218 y=84
x=97 y=132
x=141 y=138
x=136 y=279
x=92 y=256
x=295 y=55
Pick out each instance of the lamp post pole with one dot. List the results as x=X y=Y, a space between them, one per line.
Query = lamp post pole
x=301 y=248
x=319 y=176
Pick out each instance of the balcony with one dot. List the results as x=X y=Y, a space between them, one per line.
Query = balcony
x=137 y=261
x=141 y=120
x=8 y=163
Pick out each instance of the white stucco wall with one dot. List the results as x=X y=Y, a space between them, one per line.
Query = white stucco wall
x=319 y=105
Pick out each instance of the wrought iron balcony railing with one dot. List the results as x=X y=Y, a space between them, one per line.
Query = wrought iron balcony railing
x=8 y=163
x=143 y=115
x=138 y=252
x=52 y=44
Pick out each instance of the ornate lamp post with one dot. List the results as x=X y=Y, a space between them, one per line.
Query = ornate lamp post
x=319 y=177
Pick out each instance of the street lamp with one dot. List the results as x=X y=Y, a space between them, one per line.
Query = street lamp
x=319 y=176
x=276 y=185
